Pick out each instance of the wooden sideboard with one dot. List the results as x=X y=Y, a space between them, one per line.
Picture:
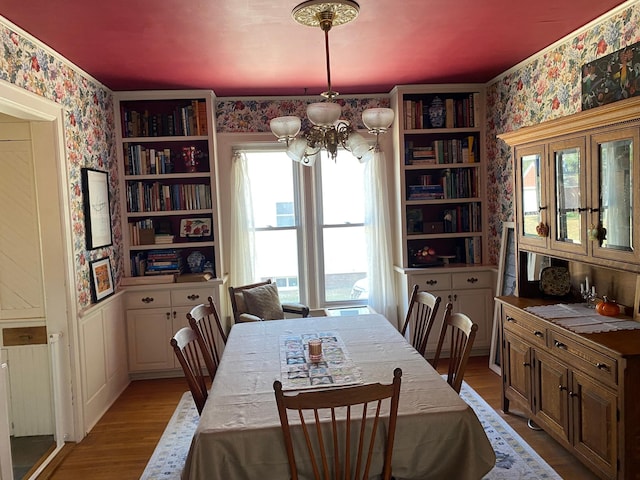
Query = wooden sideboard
x=580 y=388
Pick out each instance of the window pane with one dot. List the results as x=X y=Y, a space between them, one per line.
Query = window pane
x=277 y=259
x=272 y=188
x=345 y=263
x=342 y=189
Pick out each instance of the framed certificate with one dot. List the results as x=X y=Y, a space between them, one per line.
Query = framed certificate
x=95 y=190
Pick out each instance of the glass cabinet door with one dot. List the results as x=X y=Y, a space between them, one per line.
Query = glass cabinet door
x=568 y=229
x=532 y=201
x=615 y=185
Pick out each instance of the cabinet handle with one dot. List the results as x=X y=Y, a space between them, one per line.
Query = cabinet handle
x=431 y=282
x=526 y=364
x=174 y=314
x=193 y=296
x=168 y=314
x=538 y=333
x=573 y=394
x=147 y=299
x=562 y=387
x=560 y=345
x=472 y=280
x=603 y=366
x=510 y=319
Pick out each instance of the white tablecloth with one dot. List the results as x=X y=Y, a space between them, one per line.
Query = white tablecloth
x=438 y=435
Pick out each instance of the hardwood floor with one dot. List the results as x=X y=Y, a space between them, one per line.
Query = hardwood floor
x=119 y=446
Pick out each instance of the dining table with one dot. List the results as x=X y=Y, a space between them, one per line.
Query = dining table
x=239 y=436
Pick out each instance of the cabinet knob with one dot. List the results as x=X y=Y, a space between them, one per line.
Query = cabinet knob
x=147 y=299
x=573 y=394
x=538 y=333
x=168 y=314
x=472 y=279
x=526 y=364
x=510 y=319
x=193 y=296
x=175 y=314
x=603 y=366
x=561 y=387
x=559 y=345
x=431 y=282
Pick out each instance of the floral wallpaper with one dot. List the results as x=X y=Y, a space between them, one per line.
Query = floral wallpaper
x=247 y=115
x=88 y=133
x=546 y=87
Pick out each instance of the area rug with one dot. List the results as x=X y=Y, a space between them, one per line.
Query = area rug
x=515 y=459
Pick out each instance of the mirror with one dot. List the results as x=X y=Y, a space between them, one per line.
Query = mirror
x=616 y=194
x=531 y=194
x=567 y=177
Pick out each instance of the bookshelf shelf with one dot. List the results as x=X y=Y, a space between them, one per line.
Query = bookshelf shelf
x=166 y=146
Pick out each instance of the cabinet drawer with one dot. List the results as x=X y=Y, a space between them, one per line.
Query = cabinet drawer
x=593 y=363
x=472 y=280
x=190 y=296
x=432 y=281
x=531 y=330
x=148 y=299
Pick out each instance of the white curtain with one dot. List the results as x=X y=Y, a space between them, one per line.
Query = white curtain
x=242 y=248
x=382 y=296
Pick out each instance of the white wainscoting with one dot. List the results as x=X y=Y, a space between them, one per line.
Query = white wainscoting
x=103 y=351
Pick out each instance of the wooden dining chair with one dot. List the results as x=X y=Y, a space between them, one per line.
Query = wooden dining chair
x=205 y=321
x=185 y=346
x=462 y=334
x=421 y=316
x=260 y=301
x=324 y=419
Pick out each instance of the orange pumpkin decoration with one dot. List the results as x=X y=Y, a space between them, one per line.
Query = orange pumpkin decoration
x=607 y=307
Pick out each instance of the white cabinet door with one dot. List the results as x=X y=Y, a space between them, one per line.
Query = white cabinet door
x=478 y=305
x=149 y=332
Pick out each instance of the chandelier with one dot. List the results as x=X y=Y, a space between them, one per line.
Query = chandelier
x=327 y=130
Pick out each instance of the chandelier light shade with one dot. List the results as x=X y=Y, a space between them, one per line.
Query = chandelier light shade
x=328 y=132
x=285 y=128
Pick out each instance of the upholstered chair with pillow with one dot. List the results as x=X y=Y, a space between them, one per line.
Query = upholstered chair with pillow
x=260 y=301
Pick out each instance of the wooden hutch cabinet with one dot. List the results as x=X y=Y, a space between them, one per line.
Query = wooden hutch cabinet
x=577 y=181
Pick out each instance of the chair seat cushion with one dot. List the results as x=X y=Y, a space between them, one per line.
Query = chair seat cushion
x=264 y=302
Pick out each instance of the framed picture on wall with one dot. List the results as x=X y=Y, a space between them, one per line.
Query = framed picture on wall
x=101 y=279
x=97 y=216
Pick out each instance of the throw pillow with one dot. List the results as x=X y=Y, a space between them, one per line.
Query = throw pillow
x=264 y=302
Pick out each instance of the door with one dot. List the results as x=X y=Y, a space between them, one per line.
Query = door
x=149 y=332
x=531 y=190
x=517 y=369
x=615 y=183
x=568 y=196
x=551 y=391
x=595 y=424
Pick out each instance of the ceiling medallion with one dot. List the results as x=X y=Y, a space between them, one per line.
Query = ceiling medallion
x=311 y=13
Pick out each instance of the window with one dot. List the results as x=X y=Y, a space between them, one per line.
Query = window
x=309 y=226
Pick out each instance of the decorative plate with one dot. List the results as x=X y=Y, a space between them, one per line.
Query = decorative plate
x=555 y=281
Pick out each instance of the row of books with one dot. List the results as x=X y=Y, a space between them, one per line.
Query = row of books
x=159 y=197
x=181 y=121
x=142 y=233
x=454 y=183
x=142 y=161
x=463 y=218
x=156 y=262
x=473 y=250
x=455 y=150
x=459 y=112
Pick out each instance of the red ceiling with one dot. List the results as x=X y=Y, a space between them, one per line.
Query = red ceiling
x=253 y=47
